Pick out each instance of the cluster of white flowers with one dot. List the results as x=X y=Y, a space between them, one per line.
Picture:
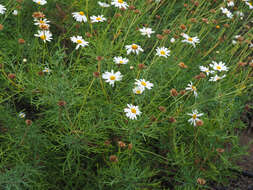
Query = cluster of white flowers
x=44 y=34
x=217 y=68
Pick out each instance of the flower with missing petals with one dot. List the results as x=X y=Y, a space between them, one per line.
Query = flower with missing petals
x=190 y=40
x=194 y=116
x=102 y=4
x=44 y=35
x=79 y=41
x=206 y=70
x=192 y=88
x=146 y=31
x=216 y=78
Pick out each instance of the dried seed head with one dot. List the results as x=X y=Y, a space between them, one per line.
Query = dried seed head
x=220 y=150
x=242 y=64
x=182 y=92
x=113 y=158
x=28 y=122
x=162 y=109
x=185 y=5
x=182 y=65
x=141 y=66
x=205 y=20
x=40 y=73
x=38 y=15
x=130 y=146
x=199 y=123
x=159 y=36
x=153 y=118
x=226 y=25
x=194 y=20
x=121 y=144
x=1 y=27
x=21 y=41
x=166 y=31
x=201 y=181
x=136 y=11
x=172 y=120
x=158 y=17
x=131 y=7
x=88 y=35
x=213 y=11
x=96 y=74
x=11 y=76
x=173 y=92
x=100 y=58
x=183 y=27
x=61 y=103
x=117 y=15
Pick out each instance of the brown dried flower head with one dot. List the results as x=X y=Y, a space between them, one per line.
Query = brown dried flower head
x=182 y=65
x=62 y=103
x=11 y=76
x=199 y=123
x=172 y=120
x=201 y=181
x=38 y=15
x=220 y=150
x=21 y=41
x=141 y=66
x=121 y=144
x=28 y=122
x=173 y=92
x=1 y=27
x=162 y=109
x=113 y=158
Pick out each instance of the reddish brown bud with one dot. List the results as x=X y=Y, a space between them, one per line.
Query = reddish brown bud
x=220 y=150
x=118 y=15
x=242 y=64
x=21 y=41
x=113 y=158
x=88 y=35
x=212 y=11
x=182 y=92
x=38 y=15
x=159 y=36
x=172 y=120
x=196 y=3
x=226 y=25
x=100 y=58
x=1 y=27
x=40 y=73
x=199 y=123
x=205 y=20
x=136 y=11
x=173 y=92
x=194 y=20
x=185 y=5
x=61 y=103
x=183 y=27
x=121 y=144
x=201 y=181
x=131 y=7
x=158 y=17
x=162 y=109
x=141 y=66
x=166 y=31
x=28 y=122
x=11 y=76
x=96 y=74
x=182 y=65
x=130 y=146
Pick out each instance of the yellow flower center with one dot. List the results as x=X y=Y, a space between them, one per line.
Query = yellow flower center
x=120 y=1
x=162 y=52
x=134 y=46
x=38 y=2
x=112 y=77
x=121 y=62
x=218 y=67
x=98 y=18
x=79 y=41
x=81 y=13
x=194 y=116
x=251 y=3
x=143 y=83
x=194 y=88
x=133 y=110
x=190 y=39
x=138 y=91
x=42 y=22
x=43 y=37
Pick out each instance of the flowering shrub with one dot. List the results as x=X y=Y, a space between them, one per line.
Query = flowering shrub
x=122 y=94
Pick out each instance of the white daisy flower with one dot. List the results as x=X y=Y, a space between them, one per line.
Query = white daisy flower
x=99 y=18
x=250 y=4
x=144 y=84
x=230 y=3
x=206 y=70
x=132 y=111
x=46 y=70
x=111 y=77
x=41 y=22
x=79 y=41
x=216 y=78
x=45 y=35
x=146 y=31
x=163 y=52
x=133 y=48
x=226 y=12
x=190 y=40
x=219 y=66
x=120 y=60
x=2 y=9
x=138 y=90
x=40 y=2
x=172 y=40
x=119 y=3
x=79 y=16
x=15 y=12
x=195 y=114
x=192 y=88
x=21 y=115
x=102 y=4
